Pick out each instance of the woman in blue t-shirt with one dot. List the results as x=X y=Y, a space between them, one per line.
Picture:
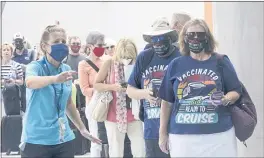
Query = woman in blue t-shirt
x=46 y=131
x=194 y=107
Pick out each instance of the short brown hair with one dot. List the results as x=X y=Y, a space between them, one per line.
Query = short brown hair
x=211 y=43
x=73 y=37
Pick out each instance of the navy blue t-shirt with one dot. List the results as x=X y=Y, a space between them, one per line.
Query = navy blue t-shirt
x=151 y=77
x=25 y=58
x=189 y=84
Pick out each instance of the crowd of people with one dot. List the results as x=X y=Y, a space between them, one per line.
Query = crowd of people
x=168 y=98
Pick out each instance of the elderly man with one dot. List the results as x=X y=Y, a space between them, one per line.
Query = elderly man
x=178 y=20
x=146 y=78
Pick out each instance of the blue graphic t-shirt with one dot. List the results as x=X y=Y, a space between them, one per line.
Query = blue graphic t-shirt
x=150 y=76
x=191 y=84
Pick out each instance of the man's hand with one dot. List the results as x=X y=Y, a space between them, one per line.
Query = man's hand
x=148 y=95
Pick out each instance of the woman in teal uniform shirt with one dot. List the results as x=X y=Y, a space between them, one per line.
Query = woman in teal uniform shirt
x=46 y=131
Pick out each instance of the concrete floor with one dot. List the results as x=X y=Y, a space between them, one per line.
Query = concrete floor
x=12 y=155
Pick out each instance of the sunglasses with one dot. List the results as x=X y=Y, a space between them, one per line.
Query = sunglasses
x=156 y=39
x=111 y=47
x=76 y=43
x=198 y=35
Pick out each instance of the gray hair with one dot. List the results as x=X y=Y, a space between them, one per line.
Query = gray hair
x=180 y=18
x=94 y=36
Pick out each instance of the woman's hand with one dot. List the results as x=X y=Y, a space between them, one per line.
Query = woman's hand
x=64 y=76
x=87 y=135
x=116 y=87
x=164 y=142
x=10 y=81
x=76 y=82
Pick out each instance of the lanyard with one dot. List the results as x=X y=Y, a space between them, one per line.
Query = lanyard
x=57 y=99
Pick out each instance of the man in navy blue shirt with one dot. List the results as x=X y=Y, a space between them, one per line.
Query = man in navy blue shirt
x=146 y=78
x=21 y=54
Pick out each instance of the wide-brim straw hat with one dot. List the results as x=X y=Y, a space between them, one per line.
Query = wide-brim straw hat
x=161 y=27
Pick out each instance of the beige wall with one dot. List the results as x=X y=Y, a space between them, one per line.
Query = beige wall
x=238 y=27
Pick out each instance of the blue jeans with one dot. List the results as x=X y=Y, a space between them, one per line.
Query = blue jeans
x=153 y=150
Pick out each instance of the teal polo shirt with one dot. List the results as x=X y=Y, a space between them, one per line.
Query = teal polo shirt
x=40 y=122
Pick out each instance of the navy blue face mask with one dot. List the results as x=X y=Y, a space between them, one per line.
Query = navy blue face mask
x=59 y=52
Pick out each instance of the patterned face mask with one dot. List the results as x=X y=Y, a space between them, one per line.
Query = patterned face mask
x=161 y=44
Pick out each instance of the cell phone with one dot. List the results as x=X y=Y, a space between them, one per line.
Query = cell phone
x=7 y=81
x=124 y=85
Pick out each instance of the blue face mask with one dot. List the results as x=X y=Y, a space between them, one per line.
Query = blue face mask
x=59 y=52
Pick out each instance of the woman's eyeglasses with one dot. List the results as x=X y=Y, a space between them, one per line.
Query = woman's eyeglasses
x=198 y=35
x=111 y=47
x=99 y=45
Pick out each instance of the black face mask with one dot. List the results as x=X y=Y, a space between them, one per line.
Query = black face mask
x=19 y=44
x=196 y=46
x=162 y=48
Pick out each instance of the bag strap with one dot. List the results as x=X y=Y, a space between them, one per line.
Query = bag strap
x=92 y=65
x=219 y=67
x=109 y=73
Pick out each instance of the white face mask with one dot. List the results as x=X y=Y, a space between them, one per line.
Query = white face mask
x=126 y=61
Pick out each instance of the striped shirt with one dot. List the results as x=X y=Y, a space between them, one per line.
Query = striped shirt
x=11 y=70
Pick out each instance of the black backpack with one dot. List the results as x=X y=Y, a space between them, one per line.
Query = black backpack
x=11 y=99
x=244 y=115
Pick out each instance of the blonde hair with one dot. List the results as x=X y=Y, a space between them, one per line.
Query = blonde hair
x=180 y=18
x=8 y=46
x=211 y=43
x=46 y=35
x=125 y=49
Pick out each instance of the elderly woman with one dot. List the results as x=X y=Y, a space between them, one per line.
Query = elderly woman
x=87 y=74
x=120 y=119
x=194 y=107
x=46 y=131
x=110 y=47
x=11 y=71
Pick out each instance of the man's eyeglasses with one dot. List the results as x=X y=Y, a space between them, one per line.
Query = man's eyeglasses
x=193 y=35
x=78 y=44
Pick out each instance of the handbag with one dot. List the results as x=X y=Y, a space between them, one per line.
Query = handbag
x=243 y=111
x=99 y=103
